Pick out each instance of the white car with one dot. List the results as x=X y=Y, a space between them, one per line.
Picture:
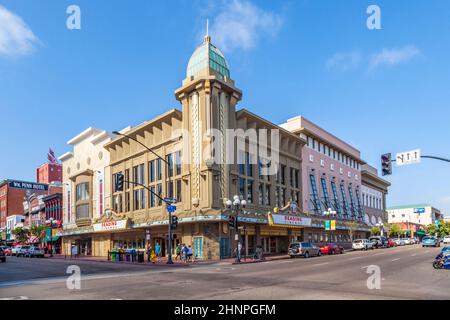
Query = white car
x=362 y=244
x=21 y=250
x=446 y=239
x=407 y=240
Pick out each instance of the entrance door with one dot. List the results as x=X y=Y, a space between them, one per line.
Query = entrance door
x=198 y=247
x=224 y=247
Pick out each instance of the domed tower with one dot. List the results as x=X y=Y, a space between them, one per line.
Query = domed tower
x=208 y=96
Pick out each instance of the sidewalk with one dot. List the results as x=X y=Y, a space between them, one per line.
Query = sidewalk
x=163 y=261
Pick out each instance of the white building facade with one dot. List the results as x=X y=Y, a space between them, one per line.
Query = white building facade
x=422 y=214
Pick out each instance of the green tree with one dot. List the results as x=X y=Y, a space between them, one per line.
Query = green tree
x=375 y=231
x=393 y=230
x=21 y=234
x=38 y=232
x=352 y=226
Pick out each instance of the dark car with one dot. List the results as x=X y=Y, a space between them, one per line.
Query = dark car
x=2 y=255
x=379 y=241
x=304 y=249
x=332 y=248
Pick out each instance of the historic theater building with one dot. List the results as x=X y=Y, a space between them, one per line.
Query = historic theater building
x=210 y=157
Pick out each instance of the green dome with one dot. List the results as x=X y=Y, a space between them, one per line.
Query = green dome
x=207 y=55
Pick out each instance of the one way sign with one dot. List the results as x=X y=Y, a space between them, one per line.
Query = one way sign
x=409 y=157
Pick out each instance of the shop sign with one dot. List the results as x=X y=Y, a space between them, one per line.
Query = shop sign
x=279 y=219
x=110 y=225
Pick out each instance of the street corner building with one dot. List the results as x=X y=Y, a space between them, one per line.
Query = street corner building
x=201 y=157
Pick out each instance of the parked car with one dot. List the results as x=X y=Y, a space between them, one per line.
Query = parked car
x=332 y=248
x=407 y=241
x=6 y=250
x=304 y=249
x=35 y=252
x=399 y=242
x=446 y=239
x=2 y=255
x=430 y=241
x=379 y=241
x=415 y=240
x=21 y=250
x=362 y=244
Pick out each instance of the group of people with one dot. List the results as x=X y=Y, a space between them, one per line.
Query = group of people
x=183 y=253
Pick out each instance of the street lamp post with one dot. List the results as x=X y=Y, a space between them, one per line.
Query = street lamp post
x=168 y=202
x=50 y=221
x=330 y=213
x=235 y=206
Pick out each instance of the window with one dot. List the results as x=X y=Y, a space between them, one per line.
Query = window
x=151 y=171
x=178 y=163
x=325 y=197
x=242 y=187
x=178 y=197
x=82 y=211
x=82 y=192
x=336 y=203
x=352 y=202
x=345 y=202
x=249 y=191
x=314 y=196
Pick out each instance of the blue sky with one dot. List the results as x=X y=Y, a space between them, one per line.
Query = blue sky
x=380 y=90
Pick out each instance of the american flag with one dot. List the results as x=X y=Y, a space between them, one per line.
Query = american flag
x=51 y=156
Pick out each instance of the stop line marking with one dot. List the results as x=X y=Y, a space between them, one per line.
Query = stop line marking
x=395 y=259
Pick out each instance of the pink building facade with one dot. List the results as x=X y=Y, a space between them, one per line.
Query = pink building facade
x=331 y=172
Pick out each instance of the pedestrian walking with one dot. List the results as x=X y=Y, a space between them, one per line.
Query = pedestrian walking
x=178 y=252
x=185 y=253
x=190 y=253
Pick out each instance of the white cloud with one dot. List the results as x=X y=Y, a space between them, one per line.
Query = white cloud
x=393 y=56
x=241 y=24
x=16 y=38
x=344 y=61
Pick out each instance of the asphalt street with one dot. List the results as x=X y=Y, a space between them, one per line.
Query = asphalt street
x=405 y=273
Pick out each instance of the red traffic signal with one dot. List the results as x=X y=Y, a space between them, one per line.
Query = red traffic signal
x=386 y=164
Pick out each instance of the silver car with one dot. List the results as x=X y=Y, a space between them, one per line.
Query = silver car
x=304 y=249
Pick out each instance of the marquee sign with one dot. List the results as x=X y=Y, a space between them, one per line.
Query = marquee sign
x=289 y=220
x=28 y=185
x=110 y=225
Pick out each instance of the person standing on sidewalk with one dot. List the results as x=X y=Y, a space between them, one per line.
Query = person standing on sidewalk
x=149 y=251
x=158 y=251
x=238 y=252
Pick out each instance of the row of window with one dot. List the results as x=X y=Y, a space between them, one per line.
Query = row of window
x=345 y=201
x=332 y=153
x=372 y=202
x=154 y=183
x=278 y=182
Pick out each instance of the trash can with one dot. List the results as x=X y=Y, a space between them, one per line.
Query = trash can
x=113 y=255
x=140 y=256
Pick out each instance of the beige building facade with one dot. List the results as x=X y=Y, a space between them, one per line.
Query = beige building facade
x=86 y=195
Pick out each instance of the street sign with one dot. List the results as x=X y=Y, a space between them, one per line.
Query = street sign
x=408 y=157
x=171 y=209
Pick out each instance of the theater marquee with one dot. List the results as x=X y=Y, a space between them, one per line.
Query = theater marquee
x=284 y=220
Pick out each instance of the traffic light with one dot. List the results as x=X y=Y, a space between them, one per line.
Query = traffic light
x=119 y=182
x=174 y=222
x=386 y=164
x=232 y=221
